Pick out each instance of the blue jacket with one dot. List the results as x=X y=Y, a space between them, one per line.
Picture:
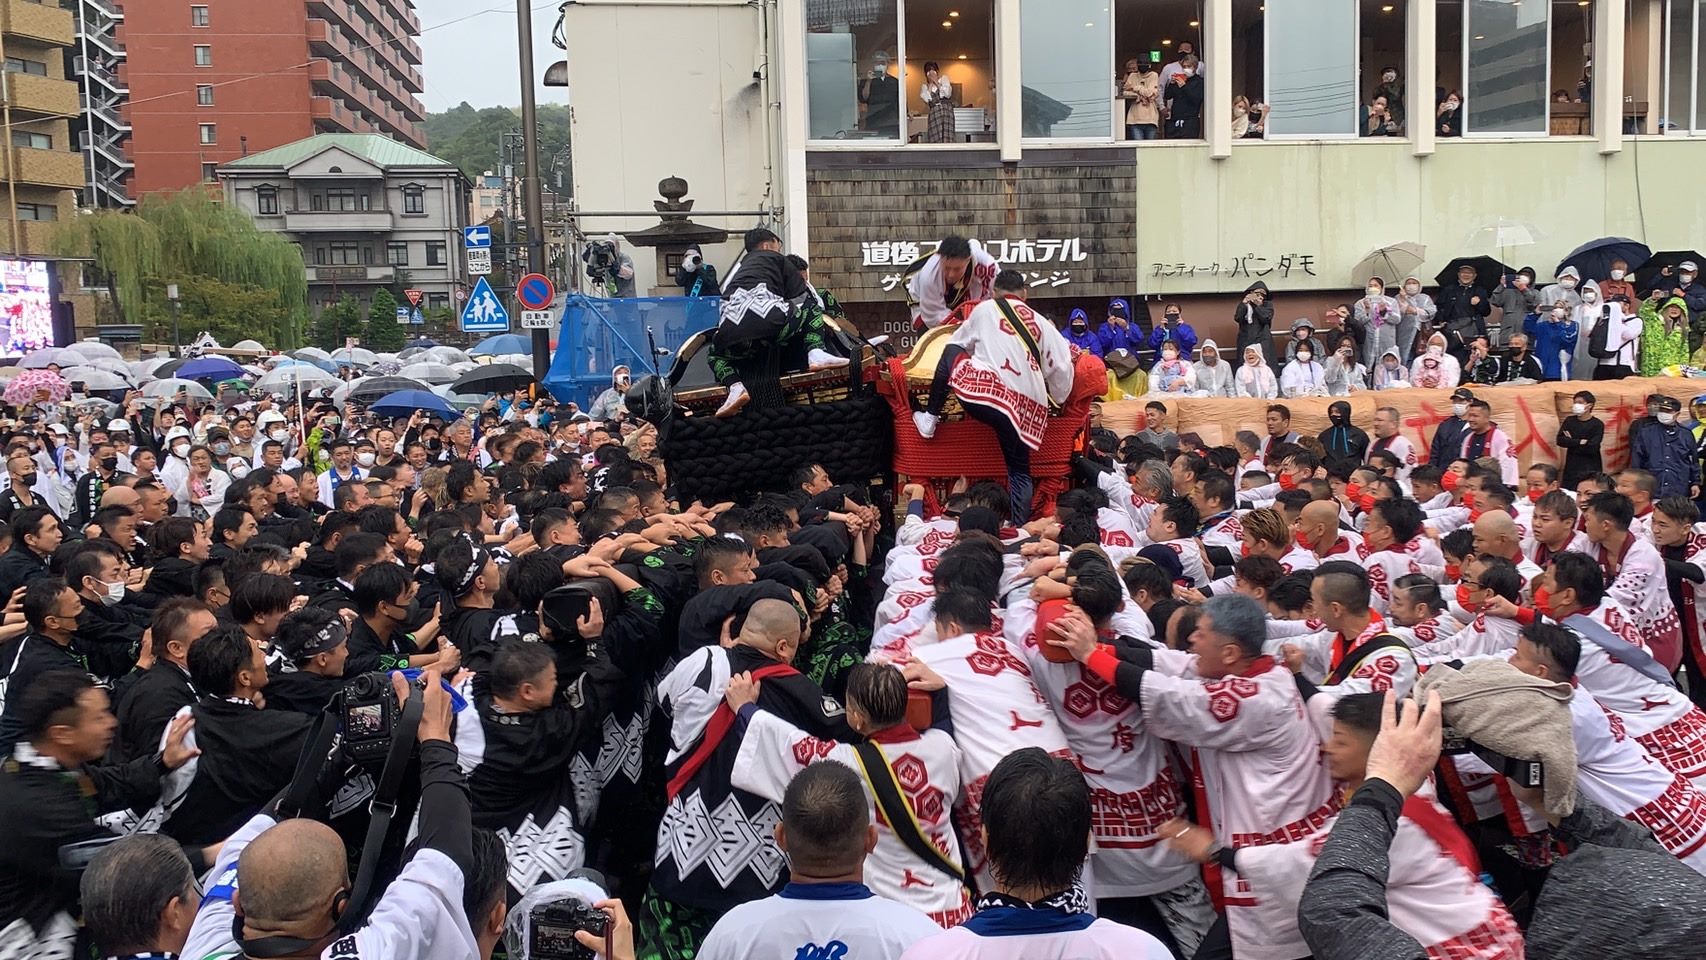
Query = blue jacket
x=1088 y=341
x=1117 y=338
x=1182 y=335
x=1552 y=338
x=1667 y=452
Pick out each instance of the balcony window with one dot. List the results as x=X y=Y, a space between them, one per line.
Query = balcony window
x=37 y=211
x=344 y=253
x=209 y=172
x=414 y=198
x=338 y=199
x=266 y=201
x=209 y=133
x=20 y=65
x=1684 y=69
x=198 y=16
x=397 y=254
x=435 y=253
x=203 y=55
x=35 y=141
x=204 y=94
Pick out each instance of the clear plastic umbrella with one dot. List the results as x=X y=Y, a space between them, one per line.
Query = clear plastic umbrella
x=170 y=386
x=111 y=365
x=95 y=378
x=311 y=353
x=461 y=401
x=145 y=368
x=433 y=373
x=360 y=356
x=443 y=355
x=43 y=358
x=95 y=348
x=284 y=379
x=250 y=346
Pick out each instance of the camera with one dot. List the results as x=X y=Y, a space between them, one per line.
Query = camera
x=370 y=712
x=1526 y=773
x=601 y=262
x=552 y=928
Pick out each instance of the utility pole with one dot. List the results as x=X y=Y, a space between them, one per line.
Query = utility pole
x=530 y=186
x=177 y=342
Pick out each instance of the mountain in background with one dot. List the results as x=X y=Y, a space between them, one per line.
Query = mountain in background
x=473 y=138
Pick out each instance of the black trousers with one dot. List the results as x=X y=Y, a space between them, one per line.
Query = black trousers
x=1139 y=912
x=1612 y=373
x=1017 y=456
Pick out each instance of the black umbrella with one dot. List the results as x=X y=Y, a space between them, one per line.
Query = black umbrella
x=1487 y=272
x=169 y=368
x=373 y=388
x=1593 y=259
x=1664 y=263
x=493 y=378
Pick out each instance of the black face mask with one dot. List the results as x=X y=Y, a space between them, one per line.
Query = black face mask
x=28 y=480
x=109 y=463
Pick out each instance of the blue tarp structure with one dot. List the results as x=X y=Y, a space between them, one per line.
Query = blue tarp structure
x=598 y=334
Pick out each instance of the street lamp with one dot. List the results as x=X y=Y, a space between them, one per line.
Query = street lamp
x=177 y=344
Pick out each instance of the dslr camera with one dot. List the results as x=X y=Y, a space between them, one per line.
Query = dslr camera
x=552 y=928
x=370 y=715
x=1527 y=773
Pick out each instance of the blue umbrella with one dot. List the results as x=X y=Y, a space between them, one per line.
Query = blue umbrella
x=422 y=342
x=209 y=368
x=1593 y=259
x=405 y=402
x=501 y=344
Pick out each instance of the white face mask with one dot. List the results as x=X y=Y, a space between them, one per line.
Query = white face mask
x=1686 y=277
x=1412 y=289
x=1435 y=350
x=112 y=594
x=239 y=470
x=365 y=459
x=1459 y=409
x=1567 y=283
x=1667 y=418
x=1451 y=104
x=1578 y=408
x=280 y=435
x=1170 y=355
x=1590 y=295
x=180 y=450
x=1559 y=314
x=1617 y=274
x=1304 y=356
x=1374 y=291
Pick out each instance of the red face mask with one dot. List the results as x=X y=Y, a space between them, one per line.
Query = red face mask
x=1448 y=481
x=1303 y=540
x=1243 y=549
x=1543 y=601
x=1286 y=482
x=1463 y=600
x=1453 y=571
x=1475 y=515
x=1353 y=490
x=1468 y=498
x=1365 y=502
x=1535 y=495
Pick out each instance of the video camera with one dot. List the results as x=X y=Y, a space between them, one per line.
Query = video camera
x=1526 y=773
x=602 y=262
x=542 y=926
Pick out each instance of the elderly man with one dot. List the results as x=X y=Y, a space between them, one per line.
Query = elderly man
x=139 y=898
x=1463 y=312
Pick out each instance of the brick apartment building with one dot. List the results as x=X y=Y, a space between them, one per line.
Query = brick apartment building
x=173 y=89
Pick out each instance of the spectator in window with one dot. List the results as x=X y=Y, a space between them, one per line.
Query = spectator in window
x=1390 y=372
x=1435 y=369
x=1448 y=120
x=1345 y=373
x=1175 y=329
x=1392 y=88
x=1303 y=376
x=1240 y=117
x=1184 y=101
x=1378 y=121
x=1186 y=49
x=880 y=93
x=1141 y=91
x=938 y=96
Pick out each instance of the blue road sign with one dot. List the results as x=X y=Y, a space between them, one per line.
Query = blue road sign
x=402 y=314
x=484 y=312
x=535 y=292
x=475 y=237
x=417 y=318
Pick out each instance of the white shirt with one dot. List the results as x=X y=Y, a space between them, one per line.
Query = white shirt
x=818 y=920
x=1079 y=937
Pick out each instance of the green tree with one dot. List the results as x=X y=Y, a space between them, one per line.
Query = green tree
x=251 y=282
x=473 y=139
x=383 y=330
x=335 y=322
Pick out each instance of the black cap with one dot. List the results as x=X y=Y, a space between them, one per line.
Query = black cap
x=1462 y=393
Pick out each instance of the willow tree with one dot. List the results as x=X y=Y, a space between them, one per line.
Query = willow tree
x=179 y=237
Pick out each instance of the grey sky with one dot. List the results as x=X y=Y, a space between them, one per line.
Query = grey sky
x=468 y=49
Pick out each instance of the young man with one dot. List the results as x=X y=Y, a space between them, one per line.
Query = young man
x=1154 y=430
x=1387 y=440
x=959 y=272
x=1482 y=439
x=1173 y=525
x=1683 y=548
x=1447 y=443
x=1004 y=380
x=146 y=703
x=766 y=302
x=1418 y=612
x=315 y=644
x=1279 y=430
x=1633 y=572
x=1392 y=548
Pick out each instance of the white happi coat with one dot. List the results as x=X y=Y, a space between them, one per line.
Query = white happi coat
x=1400 y=447
x=929 y=293
x=997 y=709
x=1499 y=447
x=927 y=768
x=1384 y=568
x=1430 y=895
x=1117 y=489
x=1694 y=594
x=1117 y=532
x=1257 y=774
x=1659 y=717
x=1482 y=636
x=1640 y=589
x=1615 y=772
x=1227 y=532
x=998 y=370
x=1435 y=628
x=914 y=529
x=1133 y=789
x=1297 y=559
x=1542 y=556
x=906 y=558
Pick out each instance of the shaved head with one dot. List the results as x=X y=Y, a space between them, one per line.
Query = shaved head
x=769 y=624
x=120 y=497
x=1319 y=521
x=289 y=874
x=1496 y=533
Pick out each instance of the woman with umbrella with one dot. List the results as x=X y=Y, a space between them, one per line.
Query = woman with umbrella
x=1416 y=311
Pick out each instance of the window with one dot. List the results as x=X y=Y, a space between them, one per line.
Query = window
x=1066 y=58
x=853 y=83
x=435 y=253
x=204 y=94
x=20 y=65
x=1684 y=70
x=1506 y=57
x=209 y=172
x=340 y=198
x=210 y=133
x=397 y=254
x=198 y=16
x=203 y=55
x=414 y=198
x=1158 y=33
x=438 y=301
x=37 y=141
x=37 y=211
x=958 y=36
x=1312 y=87
x=266 y=201
x=344 y=253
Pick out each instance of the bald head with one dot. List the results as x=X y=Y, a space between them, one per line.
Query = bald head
x=288 y=877
x=120 y=497
x=1319 y=522
x=1496 y=533
x=770 y=625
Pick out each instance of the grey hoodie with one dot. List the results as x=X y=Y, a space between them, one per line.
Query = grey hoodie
x=1215 y=381
x=1556 y=292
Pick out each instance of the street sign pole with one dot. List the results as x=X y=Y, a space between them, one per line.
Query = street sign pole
x=531 y=199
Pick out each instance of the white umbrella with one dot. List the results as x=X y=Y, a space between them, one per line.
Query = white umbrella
x=111 y=365
x=252 y=369
x=461 y=401
x=95 y=348
x=464 y=366
x=311 y=353
x=442 y=355
x=7 y=373
x=146 y=368
x=357 y=355
x=170 y=386
x=433 y=373
x=288 y=378
x=521 y=360
x=95 y=378
x=41 y=359
x=341 y=393
x=250 y=346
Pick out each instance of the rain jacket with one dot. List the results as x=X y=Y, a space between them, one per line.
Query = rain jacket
x=1594 y=298
x=1255 y=324
x=1379 y=316
x=1560 y=345
x=1115 y=337
x=1292 y=343
x=1257 y=381
x=1177 y=378
x=1182 y=335
x=1441 y=374
x=1398 y=376
x=1667 y=452
x=1215 y=381
x=1084 y=339
x=1343 y=378
x=1662 y=347
x=1556 y=292
x=1410 y=324
x=1300 y=379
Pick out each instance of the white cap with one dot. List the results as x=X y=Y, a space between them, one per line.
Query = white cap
x=269 y=416
x=58 y=428
x=1688 y=265
x=118 y=426
x=176 y=432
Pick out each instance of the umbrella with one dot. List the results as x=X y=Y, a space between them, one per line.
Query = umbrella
x=1647 y=272
x=421 y=343
x=7 y=373
x=26 y=385
x=170 y=368
x=311 y=353
x=40 y=359
x=111 y=365
x=502 y=343
x=461 y=401
x=1487 y=271
x=372 y=388
x=286 y=378
x=494 y=378
x=1502 y=234
x=1593 y=259
x=146 y=368
x=210 y=368
x=249 y=346
x=94 y=378
x=443 y=355
x=433 y=373
x=95 y=348
x=405 y=402
x=1390 y=263
x=170 y=386
x=359 y=356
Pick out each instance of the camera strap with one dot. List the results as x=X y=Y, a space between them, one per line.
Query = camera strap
x=384 y=805
x=1620 y=649
x=898 y=812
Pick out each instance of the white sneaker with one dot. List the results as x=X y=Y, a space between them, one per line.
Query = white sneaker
x=926 y=423
x=738 y=398
x=824 y=360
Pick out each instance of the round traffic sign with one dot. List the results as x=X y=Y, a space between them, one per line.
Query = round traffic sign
x=535 y=291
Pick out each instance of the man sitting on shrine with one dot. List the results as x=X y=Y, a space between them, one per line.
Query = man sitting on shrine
x=766 y=300
x=960 y=272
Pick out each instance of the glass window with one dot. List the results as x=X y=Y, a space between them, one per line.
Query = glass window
x=414 y=199
x=1312 y=82
x=266 y=201
x=203 y=55
x=198 y=16
x=435 y=253
x=209 y=172
x=340 y=198
x=958 y=38
x=1384 y=79
x=37 y=211
x=1065 y=61
x=204 y=94
x=37 y=141
x=397 y=254
x=438 y=301
x=20 y=65
x=1148 y=35
x=1506 y=53
x=852 y=70
x=210 y=133
x=345 y=252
